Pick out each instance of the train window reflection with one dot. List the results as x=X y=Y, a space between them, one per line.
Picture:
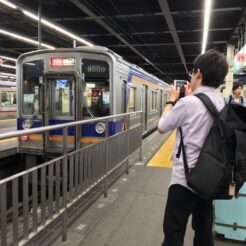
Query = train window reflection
x=7 y=99
x=32 y=76
x=96 y=90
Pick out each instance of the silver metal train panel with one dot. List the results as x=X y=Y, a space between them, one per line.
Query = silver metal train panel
x=65 y=85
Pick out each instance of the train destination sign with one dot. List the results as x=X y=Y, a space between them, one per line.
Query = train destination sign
x=62 y=62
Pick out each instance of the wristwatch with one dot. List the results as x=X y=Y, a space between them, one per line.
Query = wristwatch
x=171 y=102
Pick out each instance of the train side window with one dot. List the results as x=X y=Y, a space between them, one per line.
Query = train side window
x=132 y=99
x=8 y=99
x=154 y=101
x=33 y=72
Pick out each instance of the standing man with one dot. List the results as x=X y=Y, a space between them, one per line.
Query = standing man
x=190 y=113
x=236 y=95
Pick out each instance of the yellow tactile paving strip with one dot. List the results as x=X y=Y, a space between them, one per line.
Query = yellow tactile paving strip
x=163 y=156
x=7 y=140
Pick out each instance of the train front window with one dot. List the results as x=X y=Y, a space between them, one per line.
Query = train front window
x=96 y=89
x=33 y=72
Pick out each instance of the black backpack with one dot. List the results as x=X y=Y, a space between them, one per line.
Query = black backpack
x=220 y=170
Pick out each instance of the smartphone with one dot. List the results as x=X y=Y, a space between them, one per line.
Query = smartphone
x=180 y=84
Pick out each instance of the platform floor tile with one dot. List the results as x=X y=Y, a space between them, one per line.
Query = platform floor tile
x=163 y=156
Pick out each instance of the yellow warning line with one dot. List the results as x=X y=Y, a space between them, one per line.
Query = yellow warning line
x=1 y=120
x=163 y=156
x=7 y=140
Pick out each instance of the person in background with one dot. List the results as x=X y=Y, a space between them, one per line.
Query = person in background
x=236 y=95
x=191 y=115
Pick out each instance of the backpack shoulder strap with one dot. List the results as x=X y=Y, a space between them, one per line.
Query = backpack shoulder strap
x=208 y=104
x=241 y=99
x=182 y=147
x=230 y=99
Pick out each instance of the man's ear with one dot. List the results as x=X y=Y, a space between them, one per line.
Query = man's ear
x=199 y=75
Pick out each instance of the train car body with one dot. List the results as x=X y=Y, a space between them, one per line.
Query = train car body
x=7 y=99
x=65 y=85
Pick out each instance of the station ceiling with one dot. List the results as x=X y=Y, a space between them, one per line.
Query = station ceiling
x=161 y=36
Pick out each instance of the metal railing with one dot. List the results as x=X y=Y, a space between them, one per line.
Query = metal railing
x=32 y=199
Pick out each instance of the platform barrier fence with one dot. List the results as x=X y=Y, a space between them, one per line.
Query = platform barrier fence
x=32 y=199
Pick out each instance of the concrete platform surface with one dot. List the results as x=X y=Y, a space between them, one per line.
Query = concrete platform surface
x=132 y=214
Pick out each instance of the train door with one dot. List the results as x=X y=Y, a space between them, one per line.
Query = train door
x=144 y=96
x=59 y=107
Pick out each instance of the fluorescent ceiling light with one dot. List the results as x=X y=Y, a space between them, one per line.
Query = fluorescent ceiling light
x=8 y=58
x=57 y=28
x=8 y=74
x=9 y=4
x=7 y=66
x=207 y=12
x=24 y=39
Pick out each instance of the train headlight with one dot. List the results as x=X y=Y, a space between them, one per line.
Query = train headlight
x=100 y=127
x=27 y=124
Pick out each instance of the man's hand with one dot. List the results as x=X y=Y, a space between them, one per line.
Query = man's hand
x=174 y=94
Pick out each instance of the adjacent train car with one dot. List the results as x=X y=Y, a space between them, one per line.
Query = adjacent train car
x=7 y=99
x=65 y=85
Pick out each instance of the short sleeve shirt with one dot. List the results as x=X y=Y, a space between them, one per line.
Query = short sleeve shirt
x=191 y=115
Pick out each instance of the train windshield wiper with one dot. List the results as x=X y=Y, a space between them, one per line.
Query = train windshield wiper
x=35 y=115
x=90 y=112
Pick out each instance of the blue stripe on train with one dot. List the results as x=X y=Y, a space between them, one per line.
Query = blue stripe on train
x=88 y=130
x=36 y=123
x=7 y=86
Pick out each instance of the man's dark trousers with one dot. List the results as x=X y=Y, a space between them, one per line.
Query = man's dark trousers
x=181 y=203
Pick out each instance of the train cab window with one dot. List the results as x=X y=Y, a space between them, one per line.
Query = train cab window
x=96 y=88
x=132 y=99
x=31 y=83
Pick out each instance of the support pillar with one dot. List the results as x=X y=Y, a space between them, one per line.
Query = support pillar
x=229 y=78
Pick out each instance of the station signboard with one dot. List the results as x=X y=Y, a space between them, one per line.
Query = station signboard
x=240 y=61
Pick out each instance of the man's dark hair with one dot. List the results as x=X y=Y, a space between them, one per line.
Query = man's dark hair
x=213 y=66
x=236 y=85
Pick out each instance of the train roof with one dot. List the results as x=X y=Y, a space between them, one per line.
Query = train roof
x=100 y=49
x=80 y=48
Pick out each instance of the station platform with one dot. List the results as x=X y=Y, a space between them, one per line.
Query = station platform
x=8 y=147
x=132 y=214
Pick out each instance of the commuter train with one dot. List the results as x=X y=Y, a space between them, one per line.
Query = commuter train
x=65 y=85
x=7 y=99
